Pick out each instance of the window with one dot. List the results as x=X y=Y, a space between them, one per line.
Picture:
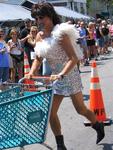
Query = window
x=75 y=6
x=82 y=8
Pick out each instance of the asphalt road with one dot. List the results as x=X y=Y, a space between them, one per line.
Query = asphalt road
x=77 y=136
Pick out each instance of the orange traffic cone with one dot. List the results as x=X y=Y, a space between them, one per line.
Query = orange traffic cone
x=96 y=103
x=26 y=64
x=30 y=84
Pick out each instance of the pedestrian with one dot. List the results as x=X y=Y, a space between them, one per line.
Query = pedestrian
x=91 y=40
x=4 y=59
x=99 y=37
x=56 y=45
x=31 y=40
x=83 y=42
x=26 y=31
x=16 y=55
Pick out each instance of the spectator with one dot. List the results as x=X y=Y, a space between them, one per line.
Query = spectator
x=83 y=42
x=99 y=37
x=91 y=40
x=16 y=53
x=31 y=40
x=4 y=58
x=27 y=47
x=105 y=33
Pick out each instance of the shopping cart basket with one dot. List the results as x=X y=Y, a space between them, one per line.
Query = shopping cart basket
x=24 y=118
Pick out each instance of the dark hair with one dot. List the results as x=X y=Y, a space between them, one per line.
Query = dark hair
x=99 y=20
x=45 y=9
x=27 y=20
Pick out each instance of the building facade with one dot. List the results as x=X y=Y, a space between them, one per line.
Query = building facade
x=76 y=5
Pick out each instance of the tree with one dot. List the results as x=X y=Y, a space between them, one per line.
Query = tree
x=107 y=2
x=88 y=3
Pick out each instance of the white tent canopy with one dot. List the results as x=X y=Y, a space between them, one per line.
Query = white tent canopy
x=13 y=12
x=63 y=11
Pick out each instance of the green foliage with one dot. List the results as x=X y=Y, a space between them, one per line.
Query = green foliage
x=88 y=3
x=109 y=2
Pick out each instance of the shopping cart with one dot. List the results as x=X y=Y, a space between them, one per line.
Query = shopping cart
x=24 y=114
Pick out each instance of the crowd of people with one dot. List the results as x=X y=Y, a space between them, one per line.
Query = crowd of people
x=12 y=51
x=95 y=40
x=54 y=41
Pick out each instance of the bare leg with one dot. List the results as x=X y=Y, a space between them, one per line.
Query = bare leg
x=55 y=123
x=54 y=120
x=79 y=105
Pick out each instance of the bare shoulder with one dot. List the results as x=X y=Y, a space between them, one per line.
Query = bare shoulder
x=39 y=36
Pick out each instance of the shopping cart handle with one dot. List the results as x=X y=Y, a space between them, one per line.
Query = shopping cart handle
x=41 y=77
x=35 y=78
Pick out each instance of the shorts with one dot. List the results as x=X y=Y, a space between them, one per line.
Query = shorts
x=100 y=42
x=4 y=74
x=91 y=42
x=106 y=39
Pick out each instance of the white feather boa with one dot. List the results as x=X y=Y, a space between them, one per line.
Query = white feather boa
x=73 y=34
x=57 y=33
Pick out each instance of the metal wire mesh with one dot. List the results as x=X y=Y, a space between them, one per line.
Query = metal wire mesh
x=24 y=121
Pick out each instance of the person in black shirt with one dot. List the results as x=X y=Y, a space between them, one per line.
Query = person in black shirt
x=27 y=47
x=105 y=33
x=99 y=37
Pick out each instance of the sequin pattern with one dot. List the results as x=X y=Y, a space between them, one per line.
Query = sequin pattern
x=57 y=58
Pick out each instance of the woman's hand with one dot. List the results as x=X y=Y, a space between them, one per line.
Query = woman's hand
x=2 y=51
x=29 y=76
x=56 y=77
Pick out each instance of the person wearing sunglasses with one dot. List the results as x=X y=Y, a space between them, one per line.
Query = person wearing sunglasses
x=55 y=43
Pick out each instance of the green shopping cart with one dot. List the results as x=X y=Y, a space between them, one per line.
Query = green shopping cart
x=24 y=114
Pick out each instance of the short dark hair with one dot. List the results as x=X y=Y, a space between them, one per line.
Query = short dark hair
x=27 y=20
x=45 y=9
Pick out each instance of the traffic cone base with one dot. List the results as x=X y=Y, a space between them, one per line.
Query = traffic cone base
x=106 y=122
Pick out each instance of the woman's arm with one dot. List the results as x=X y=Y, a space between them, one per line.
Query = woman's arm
x=35 y=66
x=23 y=40
x=31 y=42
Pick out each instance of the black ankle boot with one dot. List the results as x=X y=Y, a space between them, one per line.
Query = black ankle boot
x=99 y=127
x=60 y=142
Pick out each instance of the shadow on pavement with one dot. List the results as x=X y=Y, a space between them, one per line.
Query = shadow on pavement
x=87 y=71
x=100 y=63
x=107 y=146
x=107 y=58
